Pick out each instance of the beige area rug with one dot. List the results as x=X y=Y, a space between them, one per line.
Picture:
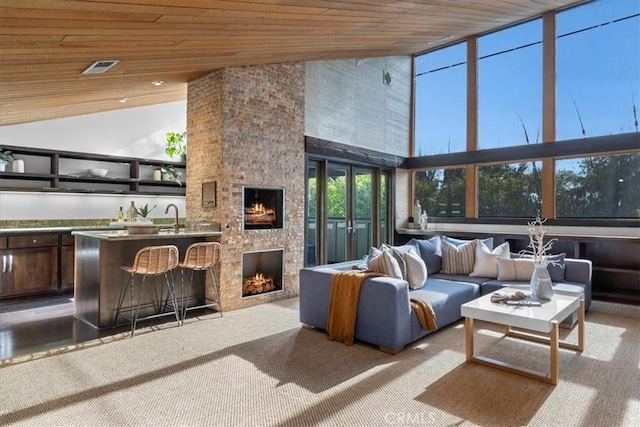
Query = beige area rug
x=259 y=367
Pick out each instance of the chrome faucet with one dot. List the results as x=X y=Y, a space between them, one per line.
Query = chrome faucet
x=176 y=225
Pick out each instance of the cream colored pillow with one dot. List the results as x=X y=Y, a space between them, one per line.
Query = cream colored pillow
x=383 y=262
x=519 y=269
x=416 y=269
x=397 y=252
x=458 y=259
x=486 y=264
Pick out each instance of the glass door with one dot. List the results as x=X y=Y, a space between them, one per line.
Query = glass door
x=347 y=211
x=339 y=212
x=362 y=221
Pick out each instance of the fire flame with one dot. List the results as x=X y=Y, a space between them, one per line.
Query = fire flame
x=259 y=208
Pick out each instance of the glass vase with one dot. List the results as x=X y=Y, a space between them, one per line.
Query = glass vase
x=541 y=283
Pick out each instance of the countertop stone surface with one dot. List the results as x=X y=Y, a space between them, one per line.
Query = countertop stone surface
x=14 y=227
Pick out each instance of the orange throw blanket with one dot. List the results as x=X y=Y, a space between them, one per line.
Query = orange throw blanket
x=343 y=304
x=425 y=313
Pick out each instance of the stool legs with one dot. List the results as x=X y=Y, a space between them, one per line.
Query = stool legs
x=129 y=283
x=216 y=291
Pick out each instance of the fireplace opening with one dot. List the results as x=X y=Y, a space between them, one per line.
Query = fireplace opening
x=262 y=272
x=263 y=208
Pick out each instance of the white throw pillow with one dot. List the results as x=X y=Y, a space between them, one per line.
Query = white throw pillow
x=486 y=264
x=458 y=259
x=416 y=269
x=519 y=269
x=385 y=263
x=397 y=252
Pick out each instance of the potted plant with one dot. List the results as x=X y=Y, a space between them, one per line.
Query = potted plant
x=177 y=145
x=169 y=173
x=5 y=158
x=144 y=211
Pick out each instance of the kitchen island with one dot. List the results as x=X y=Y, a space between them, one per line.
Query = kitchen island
x=98 y=276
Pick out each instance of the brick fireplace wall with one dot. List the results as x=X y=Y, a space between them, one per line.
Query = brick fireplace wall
x=246 y=127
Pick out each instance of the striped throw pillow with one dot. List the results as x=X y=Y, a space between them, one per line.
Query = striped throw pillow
x=458 y=259
x=386 y=264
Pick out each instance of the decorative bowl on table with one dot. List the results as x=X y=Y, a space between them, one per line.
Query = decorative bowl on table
x=98 y=172
x=142 y=228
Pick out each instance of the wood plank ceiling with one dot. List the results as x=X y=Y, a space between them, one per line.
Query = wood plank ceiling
x=46 y=44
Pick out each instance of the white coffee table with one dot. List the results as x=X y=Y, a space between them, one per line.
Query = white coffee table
x=545 y=319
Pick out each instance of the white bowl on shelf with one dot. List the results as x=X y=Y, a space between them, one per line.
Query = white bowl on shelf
x=98 y=172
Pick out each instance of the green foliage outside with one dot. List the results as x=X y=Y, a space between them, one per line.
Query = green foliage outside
x=603 y=187
x=337 y=193
x=598 y=187
x=510 y=190
x=441 y=192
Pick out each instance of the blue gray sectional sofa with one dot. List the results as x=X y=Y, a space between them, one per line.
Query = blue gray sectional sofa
x=385 y=317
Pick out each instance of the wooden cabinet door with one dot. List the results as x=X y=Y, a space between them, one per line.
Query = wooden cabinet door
x=67 y=254
x=31 y=270
x=5 y=277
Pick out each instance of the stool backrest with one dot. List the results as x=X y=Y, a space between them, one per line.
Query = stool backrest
x=156 y=259
x=202 y=255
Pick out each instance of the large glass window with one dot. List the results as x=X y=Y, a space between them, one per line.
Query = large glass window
x=598 y=69
x=510 y=190
x=441 y=97
x=510 y=86
x=441 y=192
x=598 y=187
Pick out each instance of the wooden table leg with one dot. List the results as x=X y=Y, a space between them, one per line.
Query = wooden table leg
x=555 y=347
x=468 y=331
x=581 y=326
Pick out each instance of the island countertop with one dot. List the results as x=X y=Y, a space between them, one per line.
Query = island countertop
x=120 y=235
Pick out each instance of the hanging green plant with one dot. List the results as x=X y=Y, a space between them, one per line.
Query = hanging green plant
x=176 y=144
x=5 y=156
x=171 y=173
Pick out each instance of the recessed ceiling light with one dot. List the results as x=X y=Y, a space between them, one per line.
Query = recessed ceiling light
x=124 y=99
x=157 y=82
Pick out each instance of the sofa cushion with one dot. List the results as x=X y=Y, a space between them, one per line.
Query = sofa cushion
x=416 y=269
x=458 y=259
x=486 y=262
x=445 y=297
x=460 y=278
x=457 y=242
x=383 y=262
x=519 y=269
x=555 y=266
x=431 y=252
x=397 y=252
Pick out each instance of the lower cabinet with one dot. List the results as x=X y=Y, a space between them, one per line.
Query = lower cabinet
x=33 y=264
x=67 y=255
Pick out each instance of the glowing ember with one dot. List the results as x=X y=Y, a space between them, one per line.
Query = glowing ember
x=257 y=284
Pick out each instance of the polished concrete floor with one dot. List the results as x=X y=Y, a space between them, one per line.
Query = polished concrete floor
x=35 y=325
x=31 y=326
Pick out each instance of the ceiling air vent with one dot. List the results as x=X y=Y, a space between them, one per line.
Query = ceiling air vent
x=100 y=67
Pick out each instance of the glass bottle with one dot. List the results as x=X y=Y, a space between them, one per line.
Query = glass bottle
x=131 y=212
x=120 y=215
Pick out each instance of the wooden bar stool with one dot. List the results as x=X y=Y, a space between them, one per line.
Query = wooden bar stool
x=203 y=256
x=151 y=261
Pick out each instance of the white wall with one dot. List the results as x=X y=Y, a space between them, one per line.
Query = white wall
x=132 y=132
x=346 y=101
x=15 y=205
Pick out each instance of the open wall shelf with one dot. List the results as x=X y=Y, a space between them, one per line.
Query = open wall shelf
x=67 y=172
